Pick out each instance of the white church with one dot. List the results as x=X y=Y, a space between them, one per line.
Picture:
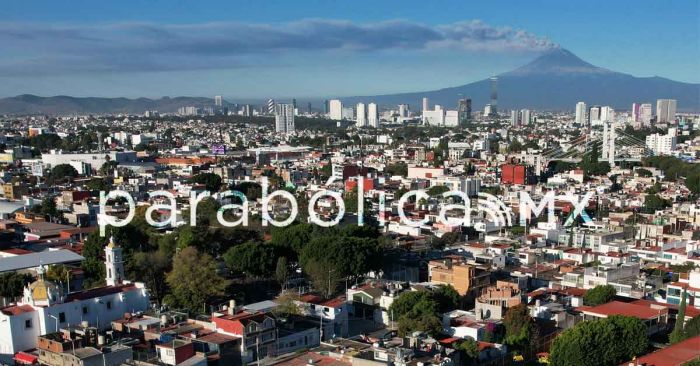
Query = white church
x=45 y=308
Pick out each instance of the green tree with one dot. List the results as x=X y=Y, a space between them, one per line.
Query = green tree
x=252 y=258
x=286 y=305
x=194 y=281
x=469 y=348
x=678 y=334
x=435 y=191
x=108 y=168
x=447 y=298
x=98 y=184
x=600 y=342
x=598 y=295
x=399 y=168
x=644 y=173
x=151 y=268
x=348 y=256
x=12 y=284
x=692 y=327
x=48 y=208
x=428 y=323
x=416 y=311
x=519 y=326
x=57 y=273
x=211 y=181
x=654 y=203
x=412 y=302
x=62 y=171
x=292 y=239
x=282 y=271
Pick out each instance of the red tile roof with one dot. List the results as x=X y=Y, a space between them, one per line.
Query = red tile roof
x=16 y=309
x=16 y=251
x=674 y=355
x=626 y=309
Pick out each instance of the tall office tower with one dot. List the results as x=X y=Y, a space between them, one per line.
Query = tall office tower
x=426 y=105
x=635 y=112
x=361 y=113
x=594 y=114
x=294 y=103
x=247 y=110
x=581 y=113
x=308 y=108
x=270 y=106
x=373 y=115
x=218 y=101
x=524 y=116
x=403 y=110
x=645 y=113
x=326 y=108
x=607 y=113
x=335 y=109
x=513 y=118
x=665 y=110
x=494 y=96
x=348 y=113
x=608 y=143
x=464 y=109
x=284 y=118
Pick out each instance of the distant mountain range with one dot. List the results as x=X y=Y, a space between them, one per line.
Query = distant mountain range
x=554 y=81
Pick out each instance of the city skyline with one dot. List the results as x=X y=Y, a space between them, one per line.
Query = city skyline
x=386 y=49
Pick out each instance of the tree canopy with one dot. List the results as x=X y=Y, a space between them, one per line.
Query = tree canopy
x=211 y=181
x=609 y=341
x=194 y=281
x=519 y=326
x=600 y=294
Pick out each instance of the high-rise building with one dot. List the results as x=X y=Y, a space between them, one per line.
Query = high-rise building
x=635 y=112
x=270 y=106
x=524 y=116
x=372 y=115
x=284 y=118
x=594 y=114
x=426 y=105
x=464 y=109
x=665 y=110
x=607 y=113
x=645 y=114
x=348 y=113
x=608 y=144
x=218 y=101
x=514 y=118
x=308 y=108
x=494 y=96
x=335 y=109
x=326 y=108
x=581 y=113
x=361 y=115
x=403 y=110
x=662 y=144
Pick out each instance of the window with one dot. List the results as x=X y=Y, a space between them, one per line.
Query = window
x=28 y=324
x=85 y=309
x=109 y=305
x=61 y=317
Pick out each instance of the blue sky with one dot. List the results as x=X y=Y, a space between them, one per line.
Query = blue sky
x=259 y=49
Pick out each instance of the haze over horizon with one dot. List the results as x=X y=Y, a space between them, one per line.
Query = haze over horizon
x=319 y=50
